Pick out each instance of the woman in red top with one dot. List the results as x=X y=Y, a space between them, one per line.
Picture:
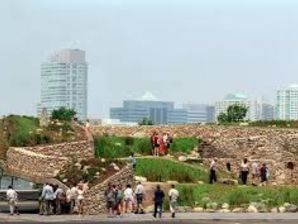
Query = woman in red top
x=162 y=145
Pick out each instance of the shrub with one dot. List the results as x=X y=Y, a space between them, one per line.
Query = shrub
x=163 y=170
x=184 y=145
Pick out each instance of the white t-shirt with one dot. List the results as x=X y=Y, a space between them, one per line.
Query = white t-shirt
x=212 y=165
x=11 y=194
x=80 y=194
x=73 y=193
x=128 y=194
x=173 y=194
x=244 y=167
x=254 y=168
x=139 y=189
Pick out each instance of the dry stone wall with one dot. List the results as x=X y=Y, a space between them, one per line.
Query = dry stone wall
x=95 y=202
x=42 y=163
x=273 y=146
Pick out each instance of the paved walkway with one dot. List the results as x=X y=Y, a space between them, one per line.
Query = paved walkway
x=131 y=218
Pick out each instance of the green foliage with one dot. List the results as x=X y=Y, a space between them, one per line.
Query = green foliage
x=63 y=114
x=115 y=147
x=237 y=196
x=159 y=169
x=146 y=121
x=235 y=113
x=185 y=145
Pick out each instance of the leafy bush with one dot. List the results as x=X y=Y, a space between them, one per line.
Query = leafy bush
x=159 y=169
x=184 y=145
x=63 y=114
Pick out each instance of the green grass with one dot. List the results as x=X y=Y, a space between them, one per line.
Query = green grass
x=158 y=169
x=116 y=147
x=236 y=196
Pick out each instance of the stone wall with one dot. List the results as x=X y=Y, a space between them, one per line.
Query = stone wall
x=42 y=163
x=95 y=202
x=276 y=147
x=70 y=149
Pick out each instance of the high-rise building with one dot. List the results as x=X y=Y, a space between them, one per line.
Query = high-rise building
x=199 y=113
x=148 y=106
x=257 y=109
x=231 y=99
x=287 y=103
x=64 y=82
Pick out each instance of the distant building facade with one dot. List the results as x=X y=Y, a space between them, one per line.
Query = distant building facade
x=199 y=113
x=145 y=107
x=64 y=82
x=287 y=103
x=257 y=109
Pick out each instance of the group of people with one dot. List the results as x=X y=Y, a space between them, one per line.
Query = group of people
x=129 y=200
x=161 y=143
x=245 y=168
x=55 y=200
x=120 y=200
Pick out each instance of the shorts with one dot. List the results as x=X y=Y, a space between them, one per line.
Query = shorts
x=110 y=204
x=140 y=198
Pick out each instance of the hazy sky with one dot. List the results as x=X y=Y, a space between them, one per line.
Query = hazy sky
x=185 y=51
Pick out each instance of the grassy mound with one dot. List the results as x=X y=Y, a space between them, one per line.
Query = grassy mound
x=158 y=169
x=236 y=196
x=115 y=147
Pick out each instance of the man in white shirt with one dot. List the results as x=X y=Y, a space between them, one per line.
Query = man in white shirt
x=173 y=195
x=48 y=195
x=139 y=192
x=12 y=197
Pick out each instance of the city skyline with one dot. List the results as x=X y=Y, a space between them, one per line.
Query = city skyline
x=183 y=52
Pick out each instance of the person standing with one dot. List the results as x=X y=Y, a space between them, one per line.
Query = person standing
x=212 y=171
x=254 y=172
x=132 y=161
x=139 y=192
x=81 y=200
x=58 y=199
x=110 y=198
x=156 y=144
x=119 y=199
x=244 y=169
x=12 y=197
x=128 y=199
x=264 y=173
x=48 y=196
x=158 y=201
x=173 y=196
x=72 y=195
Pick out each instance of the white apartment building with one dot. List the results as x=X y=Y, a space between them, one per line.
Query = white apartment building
x=64 y=82
x=257 y=109
x=287 y=103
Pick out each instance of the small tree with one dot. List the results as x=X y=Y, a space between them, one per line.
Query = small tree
x=146 y=121
x=63 y=114
x=235 y=113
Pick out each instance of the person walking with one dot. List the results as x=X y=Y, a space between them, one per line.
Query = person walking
x=158 y=201
x=212 y=171
x=173 y=196
x=139 y=192
x=48 y=196
x=244 y=169
x=12 y=197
